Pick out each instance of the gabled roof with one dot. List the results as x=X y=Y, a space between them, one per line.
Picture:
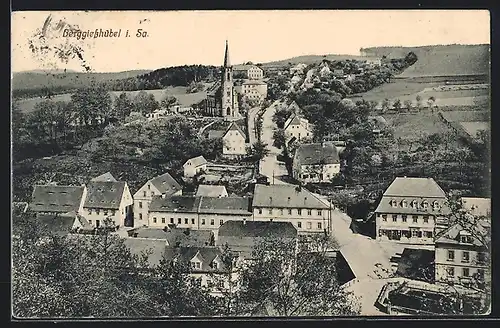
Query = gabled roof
x=477 y=206
x=51 y=198
x=211 y=191
x=104 y=194
x=182 y=204
x=255 y=229
x=215 y=134
x=415 y=187
x=244 y=67
x=139 y=245
x=166 y=184
x=292 y=120
x=151 y=233
x=286 y=196
x=105 y=177
x=197 y=161
x=57 y=224
x=234 y=127
x=188 y=237
x=294 y=107
x=225 y=205
x=186 y=254
x=317 y=153
x=451 y=235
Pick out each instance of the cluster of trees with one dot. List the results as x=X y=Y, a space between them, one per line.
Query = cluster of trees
x=407 y=105
x=97 y=276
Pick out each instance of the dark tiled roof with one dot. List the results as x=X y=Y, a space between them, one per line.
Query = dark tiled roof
x=234 y=127
x=244 y=67
x=385 y=206
x=186 y=254
x=105 y=177
x=104 y=194
x=183 y=204
x=416 y=187
x=189 y=237
x=138 y=245
x=197 y=161
x=166 y=184
x=225 y=205
x=152 y=233
x=57 y=224
x=317 y=153
x=255 y=229
x=211 y=191
x=56 y=198
x=287 y=196
x=215 y=134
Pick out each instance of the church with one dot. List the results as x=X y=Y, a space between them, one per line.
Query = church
x=222 y=101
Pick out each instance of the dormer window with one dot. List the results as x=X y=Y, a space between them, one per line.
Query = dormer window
x=394 y=203
x=435 y=205
x=404 y=204
x=215 y=265
x=414 y=204
x=425 y=204
x=465 y=238
x=196 y=265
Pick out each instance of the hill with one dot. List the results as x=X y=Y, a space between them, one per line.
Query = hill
x=311 y=59
x=68 y=80
x=440 y=60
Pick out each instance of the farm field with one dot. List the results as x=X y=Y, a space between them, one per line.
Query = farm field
x=394 y=89
x=185 y=99
x=413 y=126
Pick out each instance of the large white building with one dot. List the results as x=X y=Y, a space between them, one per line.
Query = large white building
x=252 y=90
x=251 y=72
x=297 y=129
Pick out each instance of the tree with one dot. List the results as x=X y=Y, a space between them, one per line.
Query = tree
x=123 y=107
x=92 y=105
x=419 y=101
x=258 y=151
x=385 y=104
x=397 y=105
x=408 y=104
x=145 y=103
x=280 y=117
x=278 y=138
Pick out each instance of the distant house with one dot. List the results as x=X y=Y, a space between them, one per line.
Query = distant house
x=289 y=203
x=158 y=113
x=252 y=72
x=325 y=71
x=410 y=210
x=338 y=72
x=195 y=166
x=211 y=191
x=155 y=248
x=297 y=129
x=295 y=79
x=242 y=236
x=252 y=90
x=163 y=184
x=186 y=237
x=58 y=199
x=214 y=211
x=63 y=224
x=316 y=162
x=108 y=199
x=299 y=69
x=234 y=141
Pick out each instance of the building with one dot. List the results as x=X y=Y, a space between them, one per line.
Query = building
x=233 y=141
x=242 y=236
x=108 y=199
x=104 y=177
x=194 y=166
x=214 y=134
x=252 y=90
x=410 y=209
x=223 y=100
x=214 y=211
x=297 y=129
x=63 y=224
x=179 y=210
x=298 y=69
x=461 y=257
x=163 y=184
x=325 y=70
x=211 y=191
x=316 y=162
x=155 y=248
x=173 y=236
x=294 y=108
x=52 y=199
x=289 y=203
x=251 y=72
x=338 y=72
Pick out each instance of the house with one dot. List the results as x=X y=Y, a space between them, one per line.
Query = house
x=234 y=141
x=294 y=108
x=461 y=257
x=410 y=210
x=211 y=191
x=297 y=129
x=316 y=162
x=186 y=237
x=108 y=199
x=295 y=80
x=251 y=72
x=242 y=236
x=63 y=224
x=252 y=90
x=299 y=69
x=179 y=210
x=154 y=248
x=214 y=211
x=58 y=199
x=289 y=203
x=163 y=184
x=194 y=166
x=104 y=177
x=325 y=71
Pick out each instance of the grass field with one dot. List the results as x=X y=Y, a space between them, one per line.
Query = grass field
x=185 y=99
x=395 y=89
x=413 y=126
x=472 y=128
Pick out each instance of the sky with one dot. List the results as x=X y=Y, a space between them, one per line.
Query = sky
x=198 y=37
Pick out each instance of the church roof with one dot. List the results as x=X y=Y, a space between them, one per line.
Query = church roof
x=227 y=62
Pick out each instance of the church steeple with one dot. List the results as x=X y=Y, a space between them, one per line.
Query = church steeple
x=227 y=63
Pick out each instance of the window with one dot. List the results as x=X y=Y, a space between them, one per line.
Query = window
x=149 y=187
x=466 y=239
x=90 y=221
x=215 y=265
x=162 y=220
x=481 y=257
x=309 y=225
x=404 y=217
x=299 y=211
x=105 y=212
x=404 y=203
x=281 y=211
x=221 y=222
x=144 y=193
x=299 y=224
x=428 y=234
x=140 y=204
x=309 y=212
x=113 y=212
x=394 y=203
x=319 y=212
x=414 y=204
x=260 y=210
x=186 y=221
x=154 y=220
x=451 y=255
x=202 y=221
x=140 y=216
x=192 y=221
x=426 y=219
x=179 y=221
x=270 y=211
x=451 y=271
x=425 y=204
x=384 y=217
x=465 y=272
x=97 y=223
x=196 y=265
x=465 y=256
x=152 y=193
x=289 y=211
x=319 y=225
x=415 y=218
x=480 y=274
x=435 y=205
x=212 y=221
x=171 y=220
x=90 y=211
x=394 y=218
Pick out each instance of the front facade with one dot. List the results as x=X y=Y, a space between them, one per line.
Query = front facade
x=297 y=129
x=289 y=203
x=223 y=101
x=252 y=90
x=194 y=166
x=251 y=72
x=161 y=185
x=409 y=210
x=233 y=141
x=317 y=162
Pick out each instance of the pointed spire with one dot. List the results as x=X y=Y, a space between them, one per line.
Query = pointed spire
x=227 y=63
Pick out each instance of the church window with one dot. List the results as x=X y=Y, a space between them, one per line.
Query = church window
x=228 y=75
